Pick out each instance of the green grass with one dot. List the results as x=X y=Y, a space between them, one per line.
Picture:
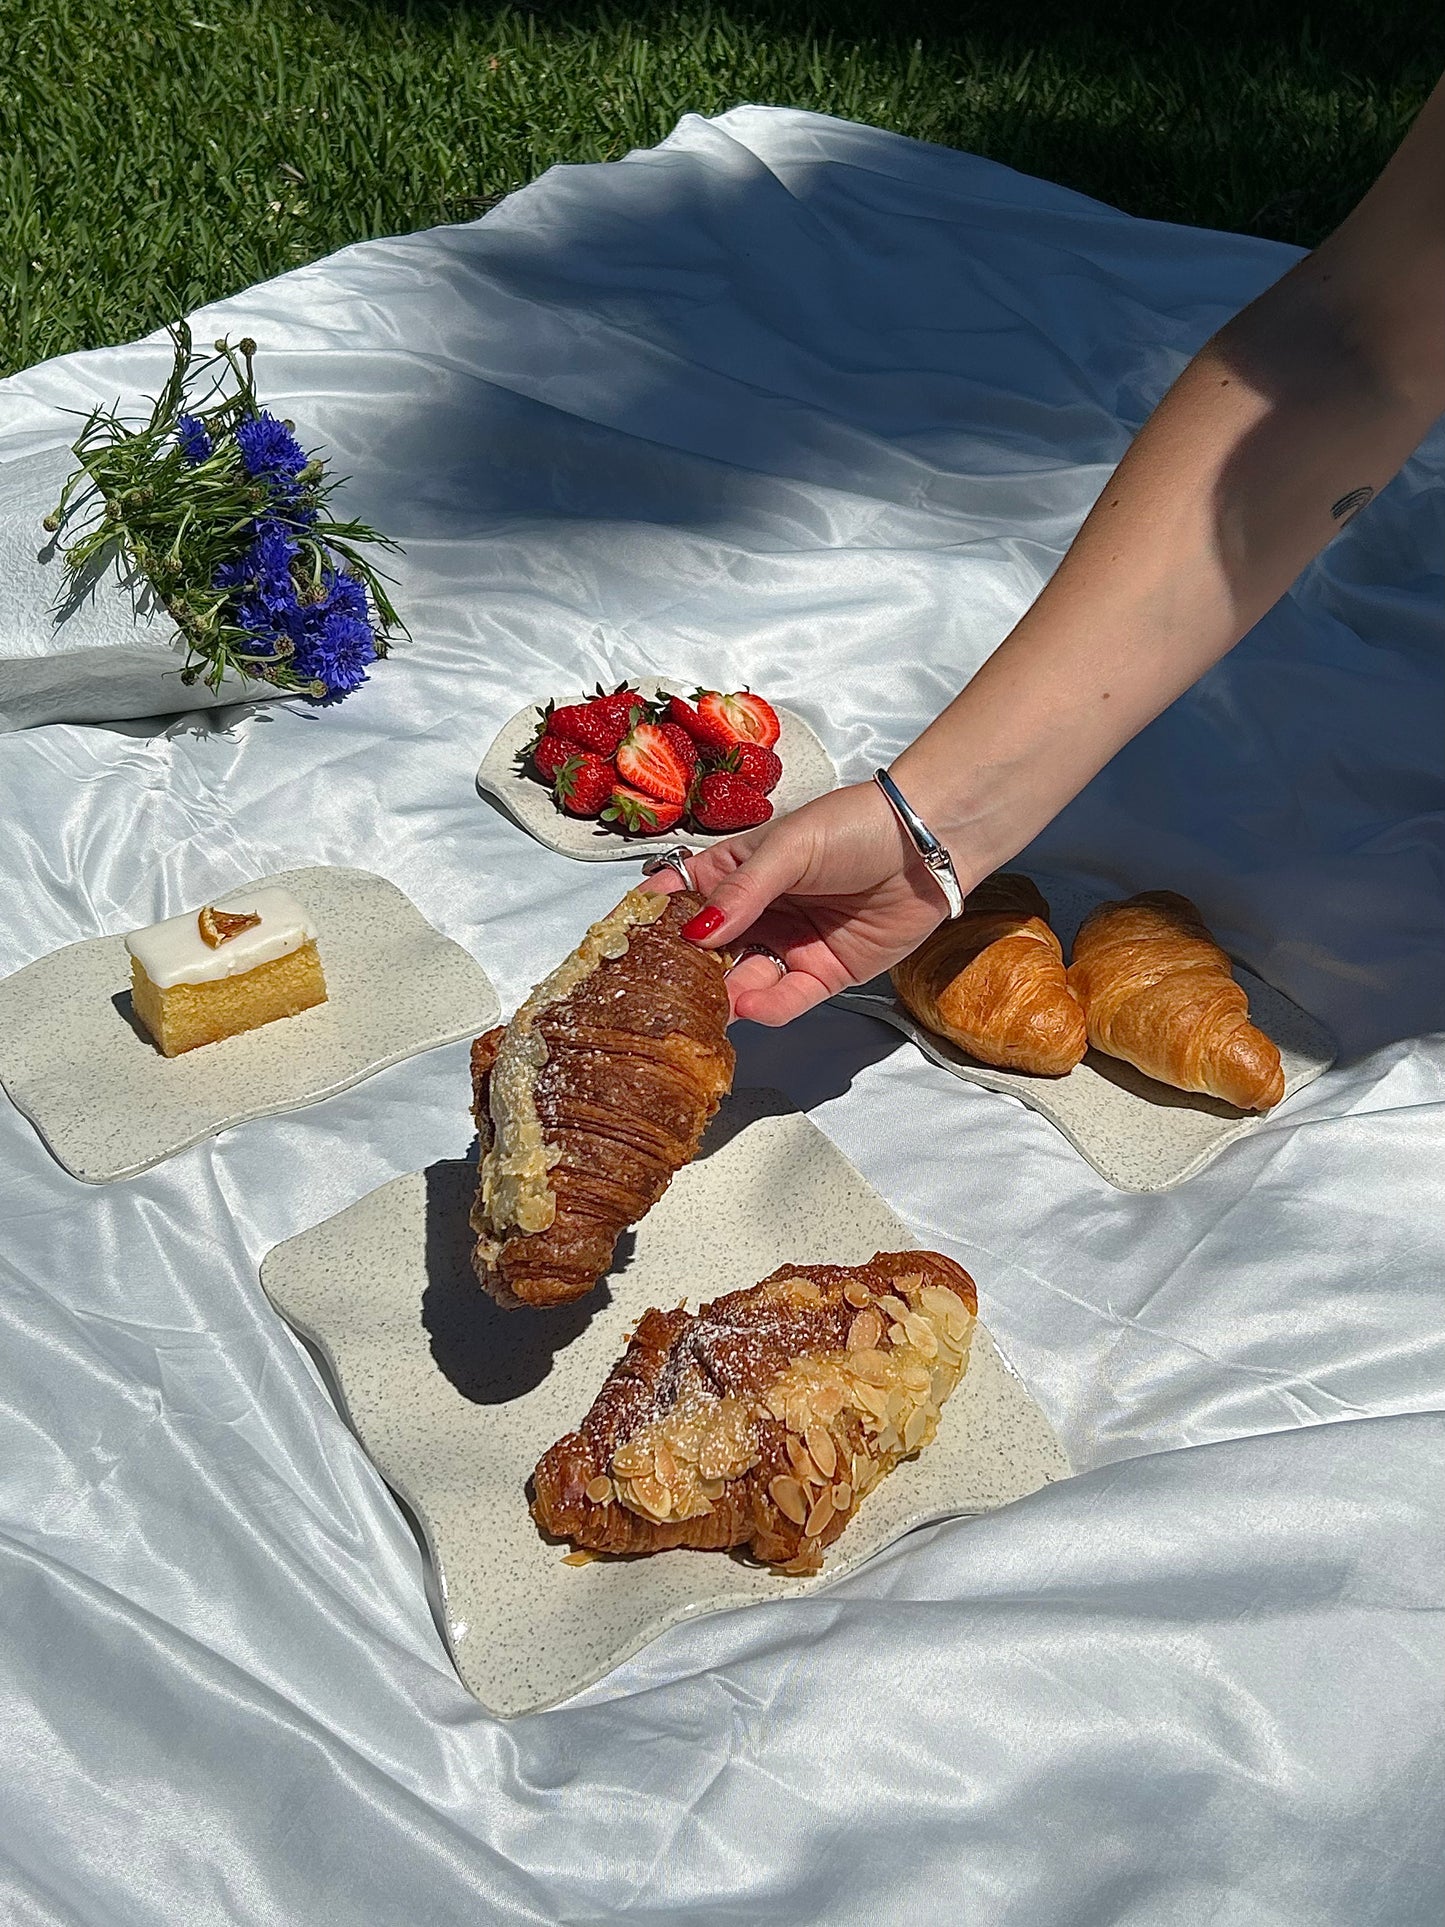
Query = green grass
x=156 y=154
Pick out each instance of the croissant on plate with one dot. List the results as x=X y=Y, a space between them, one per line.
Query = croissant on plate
x=993 y=982
x=595 y=1093
x=763 y=1419
x=1158 y=992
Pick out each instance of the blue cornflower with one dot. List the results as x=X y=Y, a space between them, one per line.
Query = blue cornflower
x=336 y=651
x=337 y=641
x=195 y=443
x=330 y=637
x=267 y=607
x=269 y=449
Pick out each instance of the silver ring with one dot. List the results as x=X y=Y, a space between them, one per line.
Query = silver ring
x=673 y=859
x=761 y=950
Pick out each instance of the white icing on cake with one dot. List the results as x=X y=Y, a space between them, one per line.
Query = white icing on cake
x=174 y=952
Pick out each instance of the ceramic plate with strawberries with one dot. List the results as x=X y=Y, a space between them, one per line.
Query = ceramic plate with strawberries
x=628 y=769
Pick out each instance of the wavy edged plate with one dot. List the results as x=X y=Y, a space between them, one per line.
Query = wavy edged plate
x=455 y=1400
x=1139 y=1134
x=109 y=1105
x=807 y=772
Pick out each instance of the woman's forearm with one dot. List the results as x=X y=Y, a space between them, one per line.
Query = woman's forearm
x=1284 y=423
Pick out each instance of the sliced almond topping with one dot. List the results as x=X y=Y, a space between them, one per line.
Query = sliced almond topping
x=665 y=1463
x=842 y=1496
x=877 y=1367
x=820 y=1515
x=599 y=1490
x=856 y=1292
x=865 y=1331
x=916 y=1378
x=578 y=1558
x=631 y=1461
x=915 y=1428
x=892 y=1307
x=802 y=1462
x=219 y=926
x=920 y=1335
x=824 y=1453
x=712 y=1489
x=652 y=1496
x=788 y=1496
x=937 y=1301
x=828 y=1401
x=872 y=1399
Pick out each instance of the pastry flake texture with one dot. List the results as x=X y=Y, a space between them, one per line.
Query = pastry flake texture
x=993 y=982
x=593 y=1096
x=761 y=1421
x=1158 y=992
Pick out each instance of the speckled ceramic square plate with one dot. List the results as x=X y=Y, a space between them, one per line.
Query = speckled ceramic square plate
x=78 y=1064
x=807 y=772
x=1139 y=1134
x=456 y=1400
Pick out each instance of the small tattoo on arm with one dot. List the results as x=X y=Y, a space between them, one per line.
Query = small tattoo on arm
x=1351 y=504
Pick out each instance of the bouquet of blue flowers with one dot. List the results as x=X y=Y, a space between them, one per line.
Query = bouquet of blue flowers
x=215 y=504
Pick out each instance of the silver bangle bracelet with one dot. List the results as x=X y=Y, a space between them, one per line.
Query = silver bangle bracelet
x=939 y=863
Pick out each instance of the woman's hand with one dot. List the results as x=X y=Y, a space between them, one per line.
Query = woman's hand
x=835 y=888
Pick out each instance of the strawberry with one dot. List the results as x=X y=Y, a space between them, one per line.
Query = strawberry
x=740 y=718
x=675 y=710
x=639 y=814
x=650 y=763
x=684 y=745
x=584 y=783
x=599 y=723
x=724 y=801
x=549 y=753
x=756 y=765
x=712 y=733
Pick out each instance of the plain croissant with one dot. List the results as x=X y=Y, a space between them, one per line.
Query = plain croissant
x=1158 y=992
x=993 y=982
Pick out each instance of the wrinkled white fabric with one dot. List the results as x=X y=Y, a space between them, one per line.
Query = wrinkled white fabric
x=803 y=404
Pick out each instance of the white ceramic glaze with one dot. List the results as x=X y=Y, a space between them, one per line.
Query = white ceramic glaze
x=455 y=1400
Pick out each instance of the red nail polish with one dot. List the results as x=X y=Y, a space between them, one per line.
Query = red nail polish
x=703 y=925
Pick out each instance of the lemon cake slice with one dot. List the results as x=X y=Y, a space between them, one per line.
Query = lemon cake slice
x=233 y=965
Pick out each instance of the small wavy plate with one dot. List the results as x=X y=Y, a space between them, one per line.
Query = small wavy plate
x=455 y=1400
x=1139 y=1134
x=807 y=772
x=108 y=1104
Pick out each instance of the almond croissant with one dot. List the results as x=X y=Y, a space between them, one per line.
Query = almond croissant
x=763 y=1419
x=993 y=982
x=596 y=1092
x=1158 y=992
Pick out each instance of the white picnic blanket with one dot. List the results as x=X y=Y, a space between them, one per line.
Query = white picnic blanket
x=799 y=403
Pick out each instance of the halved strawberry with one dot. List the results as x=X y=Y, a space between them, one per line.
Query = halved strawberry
x=650 y=763
x=584 y=783
x=723 y=801
x=756 y=765
x=639 y=814
x=740 y=717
